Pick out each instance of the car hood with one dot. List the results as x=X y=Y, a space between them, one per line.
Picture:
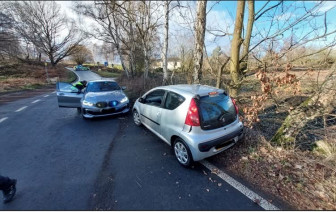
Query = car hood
x=104 y=96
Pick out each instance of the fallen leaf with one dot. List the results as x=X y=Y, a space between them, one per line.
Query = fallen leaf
x=177 y=182
x=164 y=154
x=281 y=176
x=219 y=184
x=257 y=201
x=244 y=158
x=204 y=172
x=169 y=173
x=298 y=166
x=207 y=190
x=210 y=179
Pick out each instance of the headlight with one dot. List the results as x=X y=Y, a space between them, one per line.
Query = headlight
x=125 y=99
x=86 y=103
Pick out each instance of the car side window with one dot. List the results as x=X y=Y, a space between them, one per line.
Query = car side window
x=66 y=87
x=155 y=98
x=173 y=100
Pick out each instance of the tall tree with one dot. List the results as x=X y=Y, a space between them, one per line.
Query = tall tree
x=247 y=40
x=108 y=17
x=235 y=49
x=200 y=25
x=165 y=44
x=41 y=23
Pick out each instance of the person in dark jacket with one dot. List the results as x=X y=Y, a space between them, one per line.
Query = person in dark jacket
x=80 y=85
x=8 y=187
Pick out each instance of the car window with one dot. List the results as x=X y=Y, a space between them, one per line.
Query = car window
x=102 y=86
x=155 y=98
x=173 y=100
x=66 y=87
x=216 y=111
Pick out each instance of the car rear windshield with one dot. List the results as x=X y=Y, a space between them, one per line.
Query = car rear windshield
x=102 y=86
x=216 y=111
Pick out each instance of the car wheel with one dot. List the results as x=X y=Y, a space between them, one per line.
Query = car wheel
x=79 y=110
x=82 y=111
x=182 y=153
x=136 y=118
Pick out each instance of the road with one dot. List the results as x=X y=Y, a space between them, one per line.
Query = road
x=63 y=162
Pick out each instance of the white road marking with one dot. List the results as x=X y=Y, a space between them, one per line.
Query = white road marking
x=54 y=92
x=244 y=190
x=36 y=101
x=3 y=119
x=46 y=95
x=18 y=110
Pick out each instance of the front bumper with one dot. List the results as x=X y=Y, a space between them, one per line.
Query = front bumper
x=92 y=112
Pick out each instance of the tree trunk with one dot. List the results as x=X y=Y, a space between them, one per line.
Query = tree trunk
x=122 y=60
x=199 y=41
x=132 y=60
x=220 y=72
x=246 y=44
x=165 y=45
x=235 y=49
x=322 y=102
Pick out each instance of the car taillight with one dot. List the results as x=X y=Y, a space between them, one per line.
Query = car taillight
x=192 y=118
x=235 y=105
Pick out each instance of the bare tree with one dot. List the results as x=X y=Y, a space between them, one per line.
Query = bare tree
x=247 y=40
x=235 y=48
x=41 y=23
x=165 y=44
x=199 y=41
x=81 y=54
x=108 y=17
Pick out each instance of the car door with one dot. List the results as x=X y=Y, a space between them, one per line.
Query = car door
x=68 y=95
x=150 y=109
x=172 y=115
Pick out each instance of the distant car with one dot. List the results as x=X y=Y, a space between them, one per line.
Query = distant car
x=198 y=121
x=81 y=68
x=100 y=98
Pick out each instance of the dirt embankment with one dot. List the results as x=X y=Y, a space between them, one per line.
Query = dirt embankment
x=23 y=76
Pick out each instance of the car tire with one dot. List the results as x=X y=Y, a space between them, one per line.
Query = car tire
x=82 y=112
x=79 y=110
x=182 y=153
x=136 y=118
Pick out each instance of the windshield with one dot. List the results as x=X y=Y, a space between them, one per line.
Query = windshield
x=216 y=111
x=102 y=86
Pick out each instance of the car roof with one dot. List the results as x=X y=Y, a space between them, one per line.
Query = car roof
x=191 y=90
x=103 y=80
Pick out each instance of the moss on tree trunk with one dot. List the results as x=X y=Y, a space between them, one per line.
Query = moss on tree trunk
x=322 y=102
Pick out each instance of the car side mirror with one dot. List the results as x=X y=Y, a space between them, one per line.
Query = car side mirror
x=123 y=87
x=141 y=100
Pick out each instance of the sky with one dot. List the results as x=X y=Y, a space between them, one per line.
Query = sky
x=221 y=16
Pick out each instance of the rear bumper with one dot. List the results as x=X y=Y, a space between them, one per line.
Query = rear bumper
x=221 y=142
x=203 y=146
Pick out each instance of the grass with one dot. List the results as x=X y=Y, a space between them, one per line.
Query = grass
x=71 y=77
x=108 y=74
x=23 y=76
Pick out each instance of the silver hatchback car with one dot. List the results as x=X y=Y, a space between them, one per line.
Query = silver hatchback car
x=198 y=121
